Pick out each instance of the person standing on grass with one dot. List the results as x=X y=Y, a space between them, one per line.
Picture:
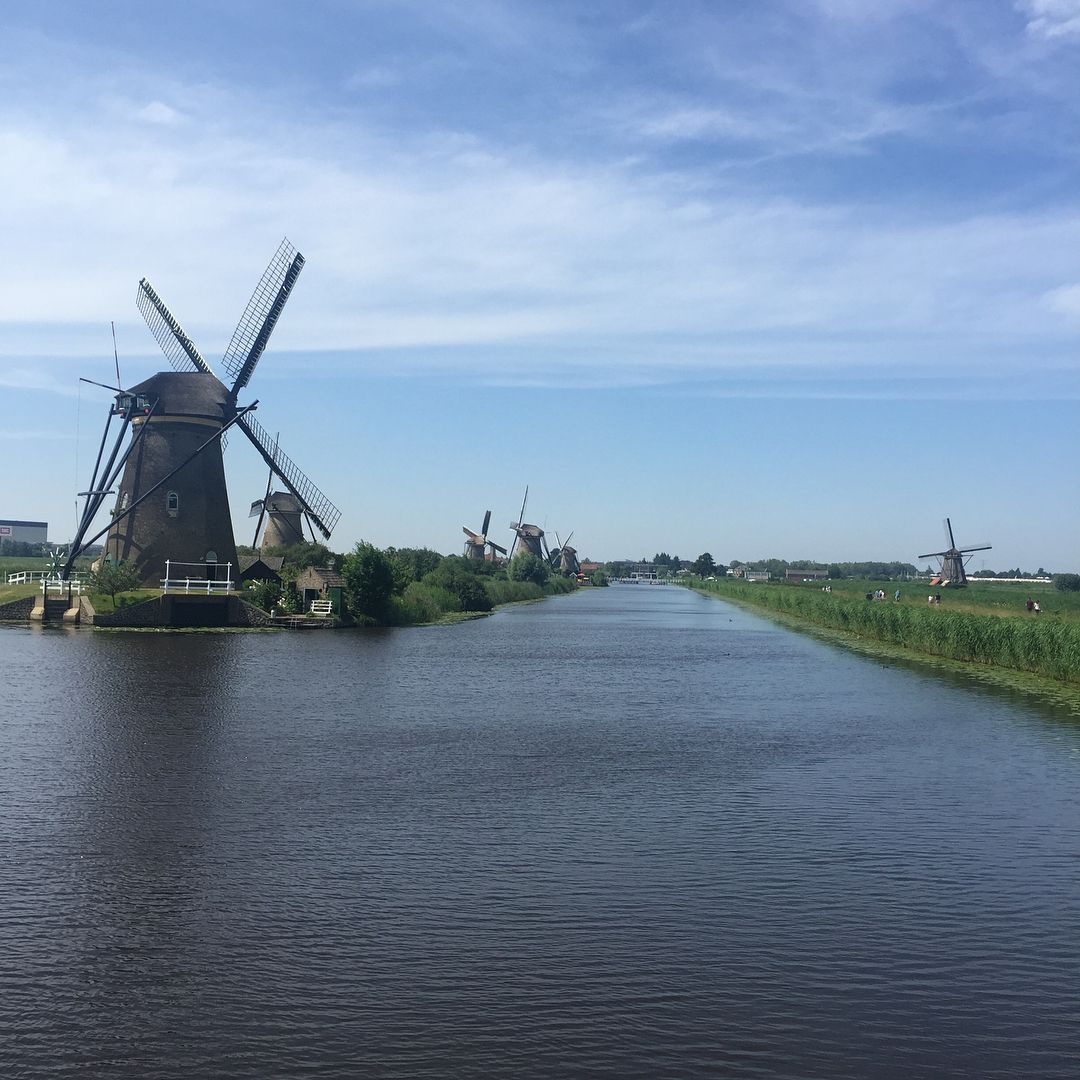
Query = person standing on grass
x=896 y=596
x=1037 y=608
x=1030 y=605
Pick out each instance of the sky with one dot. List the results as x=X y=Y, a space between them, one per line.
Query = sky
x=792 y=279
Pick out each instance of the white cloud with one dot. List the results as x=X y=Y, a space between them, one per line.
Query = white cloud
x=157 y=112
x=1052 y=18
x=1064 y=300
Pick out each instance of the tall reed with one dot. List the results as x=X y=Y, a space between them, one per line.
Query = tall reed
x=1040 y=645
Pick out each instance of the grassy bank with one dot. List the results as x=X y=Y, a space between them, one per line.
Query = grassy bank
x=1047 y=645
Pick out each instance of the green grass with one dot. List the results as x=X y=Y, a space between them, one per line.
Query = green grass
x=978 y=626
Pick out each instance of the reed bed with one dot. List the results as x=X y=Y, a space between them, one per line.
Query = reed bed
x=1040 y=645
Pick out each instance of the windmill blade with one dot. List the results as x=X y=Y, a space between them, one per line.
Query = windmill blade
x=932 y=555
x=568 y=539
x=474 y=538
x=948 y=533
x=257 y=508
x=487 y=522
x=521 y=516
x=178 y=348
x=496 y=547
x=976 y=547
x=261 y=314
x=319 y=509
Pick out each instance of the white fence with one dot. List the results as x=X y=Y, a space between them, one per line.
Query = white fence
x=27 y=577
x=62 y=588
x=195 y=584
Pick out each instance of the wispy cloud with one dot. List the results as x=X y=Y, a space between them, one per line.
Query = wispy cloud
x=1052 y=18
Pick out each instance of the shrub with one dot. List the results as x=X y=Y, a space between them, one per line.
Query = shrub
x=525 y=566
x=455 y=576
x=1067 y=582
x=369 y=582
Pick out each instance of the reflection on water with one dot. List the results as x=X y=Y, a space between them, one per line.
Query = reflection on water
x=633 y=832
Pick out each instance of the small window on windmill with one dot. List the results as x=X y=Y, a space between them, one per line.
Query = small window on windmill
x=125 y=499
x=172 y=503
x=124 y=403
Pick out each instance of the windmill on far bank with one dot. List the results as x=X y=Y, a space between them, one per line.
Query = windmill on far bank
x=531 y=537
x=564 y=557
x=953 y=560
x=172 y=502
x=477 y=543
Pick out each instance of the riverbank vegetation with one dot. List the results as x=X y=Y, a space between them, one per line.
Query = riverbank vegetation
x=414 y=586
x=987 y=624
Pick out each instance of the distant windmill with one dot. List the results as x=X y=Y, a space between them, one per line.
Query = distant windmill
x=531 y=537
x=953 y=559
x=173 y=503
x=564 y=557
x=476 y=544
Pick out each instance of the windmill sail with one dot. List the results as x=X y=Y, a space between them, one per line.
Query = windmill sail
x=178 y=348
x=261 y=314
x=319 y=509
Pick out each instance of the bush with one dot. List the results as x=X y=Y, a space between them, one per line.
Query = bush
x=456 y=577
x=369 y=582
x=1067 y=582
x=525 y=566
x=264 y=594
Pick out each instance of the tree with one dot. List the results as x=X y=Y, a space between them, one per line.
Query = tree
x=1067 y=582
x=456 y=576
x=411 y=564
x=114 y=577
x=704 y=565
x=299 y=556
x=369 y=582
x=525 y=566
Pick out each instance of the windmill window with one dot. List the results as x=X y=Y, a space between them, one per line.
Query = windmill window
x=172 y=503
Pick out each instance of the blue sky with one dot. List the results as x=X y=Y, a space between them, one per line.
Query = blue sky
x=789 y=279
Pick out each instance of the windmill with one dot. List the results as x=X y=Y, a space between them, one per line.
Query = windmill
x=953 y=560
x=173 y=503
x=476 y=544
x=531 y=537
x=564 y=557
x=283 y=513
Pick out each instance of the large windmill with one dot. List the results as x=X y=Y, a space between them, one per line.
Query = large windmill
x=531 y=537
x=953 y=559
x=477 y=543
x=172 y=502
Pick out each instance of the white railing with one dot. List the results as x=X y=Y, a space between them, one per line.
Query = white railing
x=56 y=585
x=27 y=577
x=195 y=584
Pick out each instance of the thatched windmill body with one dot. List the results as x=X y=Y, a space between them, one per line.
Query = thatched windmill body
x=172 y=500
x=953 y=559
x=477 y=544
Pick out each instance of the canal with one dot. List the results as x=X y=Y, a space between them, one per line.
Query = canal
x=635 y=832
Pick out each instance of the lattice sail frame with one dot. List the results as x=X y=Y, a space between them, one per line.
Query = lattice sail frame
x=178 y=348
x=261 y=314
x=319 y=509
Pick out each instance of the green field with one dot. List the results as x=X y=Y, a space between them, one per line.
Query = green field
x=979 y=598
x=983 y=624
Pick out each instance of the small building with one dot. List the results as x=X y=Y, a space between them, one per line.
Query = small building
x=807 y=574
x=756 y=575
x=320 y=583
x=24 y=532
x=260 y=567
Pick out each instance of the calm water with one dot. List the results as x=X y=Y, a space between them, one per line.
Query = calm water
x=630 y=833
